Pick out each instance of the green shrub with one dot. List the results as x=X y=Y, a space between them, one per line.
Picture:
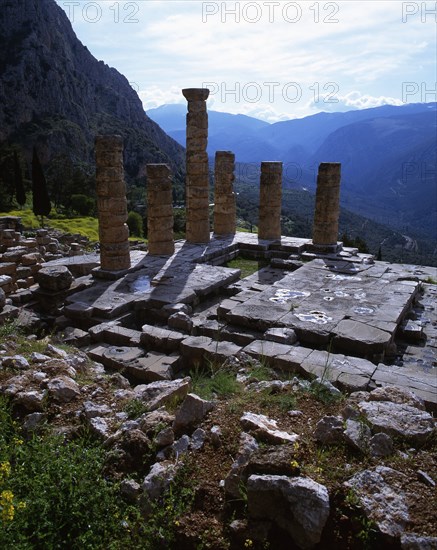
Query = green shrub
x=83 y=205
x=214 y=380
x=53 y=493
x=135 y=224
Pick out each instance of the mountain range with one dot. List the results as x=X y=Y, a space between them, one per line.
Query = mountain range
x=388 y=155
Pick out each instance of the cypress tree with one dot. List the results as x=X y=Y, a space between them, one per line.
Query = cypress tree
x=20 y=193
x=41 y=199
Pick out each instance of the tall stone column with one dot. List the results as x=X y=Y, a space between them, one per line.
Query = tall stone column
x=270 y=199
x=111 y=204
x=197 y=184
x=327 y=210
x=159 y=210
x=225 y=208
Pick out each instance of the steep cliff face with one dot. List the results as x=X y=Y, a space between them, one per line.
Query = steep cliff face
x=53 y=92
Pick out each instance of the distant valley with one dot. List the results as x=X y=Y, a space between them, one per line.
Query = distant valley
x=388 y=157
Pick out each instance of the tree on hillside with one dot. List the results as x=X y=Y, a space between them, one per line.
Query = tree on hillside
x=7 y=184
x=41 y=199
x=20 y=193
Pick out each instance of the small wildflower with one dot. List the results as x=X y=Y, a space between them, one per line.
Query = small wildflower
x=5 y=470
x=296 y=446
x=17 y=441
x=248 y=543
x=21 y=505
x=177 y=523
x=294 y=464
x=7 y=509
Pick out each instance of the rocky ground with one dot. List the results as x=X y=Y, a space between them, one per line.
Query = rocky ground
x=269 y=461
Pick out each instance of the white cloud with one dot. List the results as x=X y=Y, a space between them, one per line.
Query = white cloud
x=353 y=100
x=154 y=96
x=369 y=49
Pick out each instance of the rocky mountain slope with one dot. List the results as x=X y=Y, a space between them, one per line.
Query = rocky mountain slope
x=55 y=94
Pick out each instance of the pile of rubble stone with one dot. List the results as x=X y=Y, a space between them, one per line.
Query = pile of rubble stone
x=73 y=393
x=22 y=257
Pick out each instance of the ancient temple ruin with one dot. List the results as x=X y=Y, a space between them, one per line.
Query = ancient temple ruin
x=153 y=312
x=197 y=179
x=327 y=210
x=111 y=204
x=270 y=197
x=225 y=206
x=160 y=210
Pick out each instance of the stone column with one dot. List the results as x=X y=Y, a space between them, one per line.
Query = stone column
x=327 y=210
x=159 y=210
x=197 y=183
x=270 y=198
x=225 y=208
x=111 y=204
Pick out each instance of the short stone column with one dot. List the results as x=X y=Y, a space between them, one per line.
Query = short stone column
x=327 y=210
x=111 y=204
x=197 y=183
x=159 y=210
x=270 y=199
x=225 y=207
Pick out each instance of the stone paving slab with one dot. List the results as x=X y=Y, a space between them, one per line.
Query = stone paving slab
x=117 y=357
x=196 y=349
x=78 y=265
x=278 y=356
x=349 y=373
x=160 y=339
x=153 y=367
x=423 y=382
x=114 y=334
x=319 y=304
x=163 y=282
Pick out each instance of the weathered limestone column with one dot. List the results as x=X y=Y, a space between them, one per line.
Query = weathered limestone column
x=159 y=210
x=225 y=207
x=197 y=183
x=111 y=204
x=327 y=210
x=270 y=198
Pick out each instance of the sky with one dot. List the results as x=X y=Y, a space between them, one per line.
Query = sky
x=274 y=60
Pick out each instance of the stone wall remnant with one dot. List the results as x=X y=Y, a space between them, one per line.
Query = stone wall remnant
x=225 y=208
x=270 y=198
x=160 y=210
x=327 y=210
x=197 y=182
x=111 y=204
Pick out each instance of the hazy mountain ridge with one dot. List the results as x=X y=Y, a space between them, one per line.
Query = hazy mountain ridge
x=388 y=157
x=54 y=93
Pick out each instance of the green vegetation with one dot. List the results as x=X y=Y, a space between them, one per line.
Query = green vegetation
x=54 y=494
x=135 y=224
x=247 y=267
x=214 y=381
x=40 y=197
x=135 y=408
x=86 y=226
